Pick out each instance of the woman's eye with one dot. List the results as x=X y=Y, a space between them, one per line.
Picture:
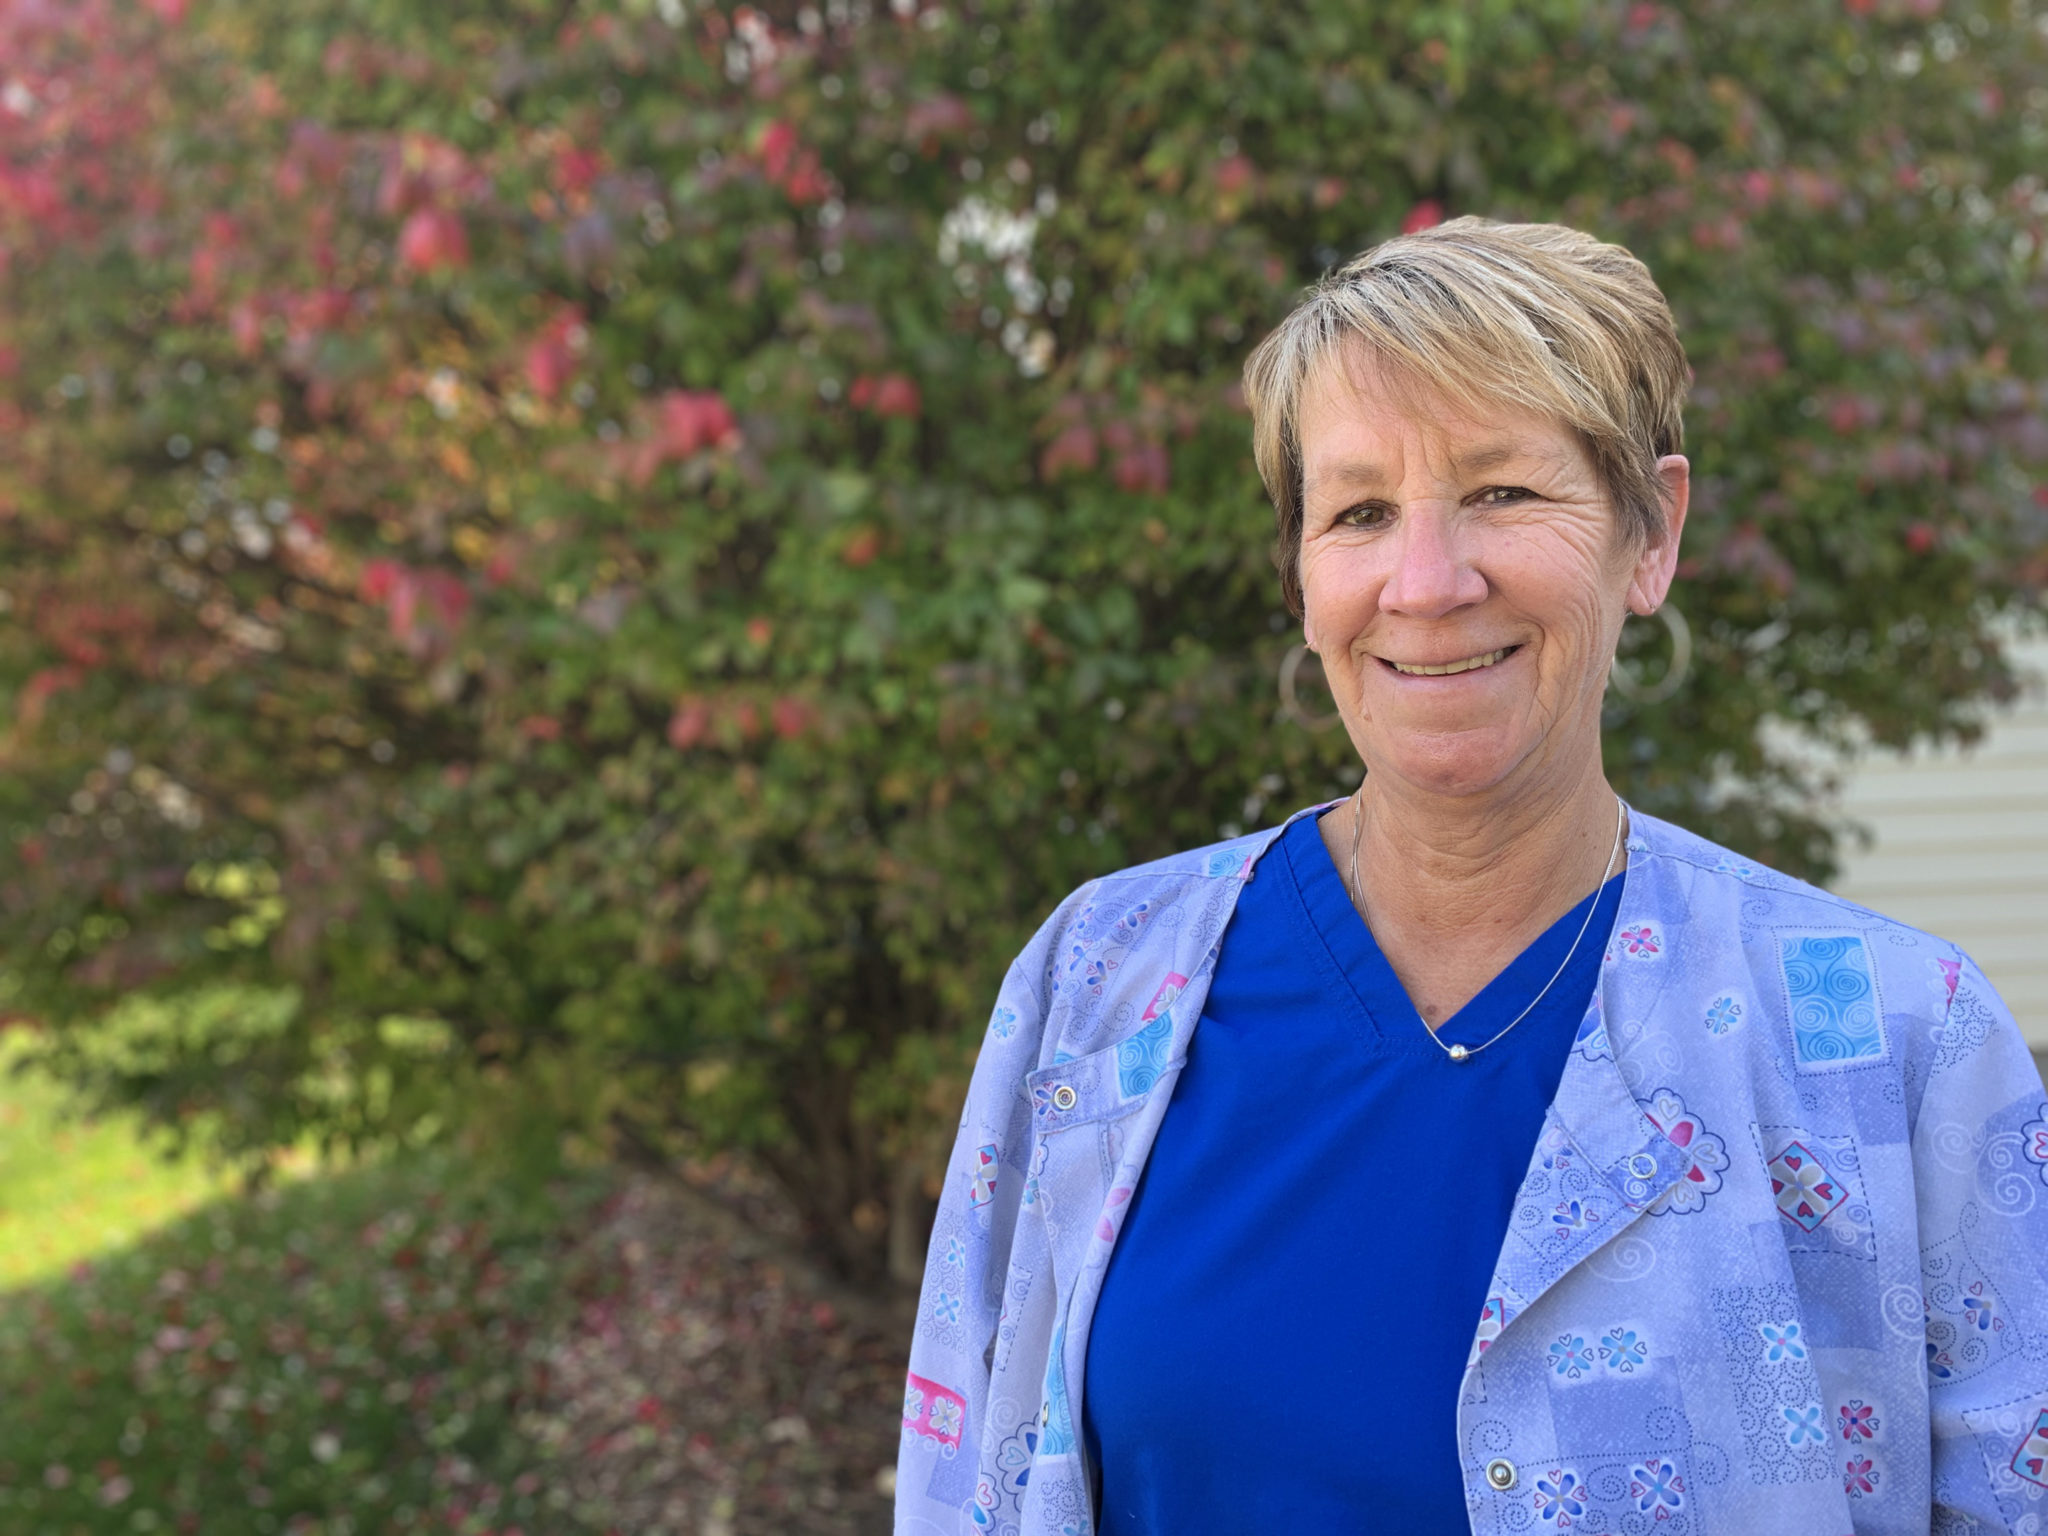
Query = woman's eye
x=1368 y=515
x=1504 y=495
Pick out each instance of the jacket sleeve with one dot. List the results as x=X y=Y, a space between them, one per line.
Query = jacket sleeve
x=953 y=1348
x=1980 y=1156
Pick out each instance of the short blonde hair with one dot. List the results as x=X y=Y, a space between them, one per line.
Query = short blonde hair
x=1534 y=316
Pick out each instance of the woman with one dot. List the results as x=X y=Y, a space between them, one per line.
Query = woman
x=1534 y=1164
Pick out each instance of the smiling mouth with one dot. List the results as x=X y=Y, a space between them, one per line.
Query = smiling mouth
x=1469 y=664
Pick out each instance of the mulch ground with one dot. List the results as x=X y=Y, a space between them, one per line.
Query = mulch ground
x=710 y=1383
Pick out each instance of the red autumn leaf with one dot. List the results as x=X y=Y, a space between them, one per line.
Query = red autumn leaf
x=759 y=630
x=211 y=257
x=34 y=193
x=777 y=147
x=688 y=725
x=936 y=117
x=576 y=169
x=1920 y=537
x=433 y=238
x=421 y=170
x=446 y=593
x=379 y=579
x=311 y=315
x=425 y=607
x=862 y=548
x=1424 y=215
x=1074 y=448
x=1233 y=174
x=791 y=166
x=1680 y=157
x=245 y=324
x=1143 y=470
x=550 y=358
x=806 y=183
x=428 y=862
x=890 y=394
x=684 y=423
x=403 y=606
x=791 y=717
x=36 y=692
x=541 y=727
x=690 y=420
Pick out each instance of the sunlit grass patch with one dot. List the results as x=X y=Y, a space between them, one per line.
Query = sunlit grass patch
x=347 y=1354
x=70 y=1189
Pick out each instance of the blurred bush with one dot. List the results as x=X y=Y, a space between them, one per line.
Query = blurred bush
x=662 y=537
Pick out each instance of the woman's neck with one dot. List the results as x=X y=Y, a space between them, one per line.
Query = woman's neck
x=1455 y=888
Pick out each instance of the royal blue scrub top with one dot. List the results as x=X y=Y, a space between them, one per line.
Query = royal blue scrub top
x=1286 y=1318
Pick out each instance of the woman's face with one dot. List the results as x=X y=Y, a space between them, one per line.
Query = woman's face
x=1434 y=539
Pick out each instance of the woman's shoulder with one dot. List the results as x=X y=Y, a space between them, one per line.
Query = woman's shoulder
x=1808 y=936
x=1208 y=868
x=1175 y=903
x=1711 y=867
x=1229 y=859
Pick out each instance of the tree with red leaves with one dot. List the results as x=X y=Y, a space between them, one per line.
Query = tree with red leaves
x=618 y=559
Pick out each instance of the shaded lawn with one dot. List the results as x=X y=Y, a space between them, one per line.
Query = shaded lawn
x=69 y=1190
x=414 y=1346
x=345 y=1354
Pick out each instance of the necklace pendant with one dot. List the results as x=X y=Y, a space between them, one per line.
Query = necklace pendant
x=1459 y=1053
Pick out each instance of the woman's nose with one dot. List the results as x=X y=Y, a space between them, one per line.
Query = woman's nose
x=1431 y=577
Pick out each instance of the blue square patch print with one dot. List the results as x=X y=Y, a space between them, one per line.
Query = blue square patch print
x=1831 y=998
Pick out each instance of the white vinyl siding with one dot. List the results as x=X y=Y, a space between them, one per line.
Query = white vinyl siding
x=1961 y=846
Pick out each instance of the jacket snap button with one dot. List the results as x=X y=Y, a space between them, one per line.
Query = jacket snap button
x=1500 y=1474
x=1642 y=1165
x=1063 y=1097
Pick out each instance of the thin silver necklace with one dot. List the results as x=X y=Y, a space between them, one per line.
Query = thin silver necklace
x=1460 y=1052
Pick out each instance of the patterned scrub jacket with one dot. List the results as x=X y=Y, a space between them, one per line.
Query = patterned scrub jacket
x=1779 y=1264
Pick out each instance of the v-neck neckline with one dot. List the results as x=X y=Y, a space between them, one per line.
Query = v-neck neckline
x=1348 y=944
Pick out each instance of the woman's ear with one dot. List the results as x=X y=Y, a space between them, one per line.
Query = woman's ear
x=1658 y=561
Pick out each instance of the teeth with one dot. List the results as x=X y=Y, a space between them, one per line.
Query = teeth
x=1449 y=667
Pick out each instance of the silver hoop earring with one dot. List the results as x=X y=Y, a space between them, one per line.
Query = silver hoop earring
x=1290 y=706
x=1633 y=689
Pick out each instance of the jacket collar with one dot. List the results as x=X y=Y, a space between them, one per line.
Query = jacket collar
x=1606 y=1156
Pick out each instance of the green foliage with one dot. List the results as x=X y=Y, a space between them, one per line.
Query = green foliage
x=677 y=532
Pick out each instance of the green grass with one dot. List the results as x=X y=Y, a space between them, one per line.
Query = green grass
x=348 y=1354
x=70 y=1190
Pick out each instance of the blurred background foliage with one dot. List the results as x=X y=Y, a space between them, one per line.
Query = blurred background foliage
x=581 y=574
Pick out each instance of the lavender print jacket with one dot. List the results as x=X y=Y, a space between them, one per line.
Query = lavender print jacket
x=1779 y=1263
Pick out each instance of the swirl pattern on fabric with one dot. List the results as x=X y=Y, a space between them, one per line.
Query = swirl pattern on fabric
x=1140 y=1059
x=1832 y=1000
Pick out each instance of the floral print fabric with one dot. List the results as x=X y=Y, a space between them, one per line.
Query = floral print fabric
x=1779 y=1263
